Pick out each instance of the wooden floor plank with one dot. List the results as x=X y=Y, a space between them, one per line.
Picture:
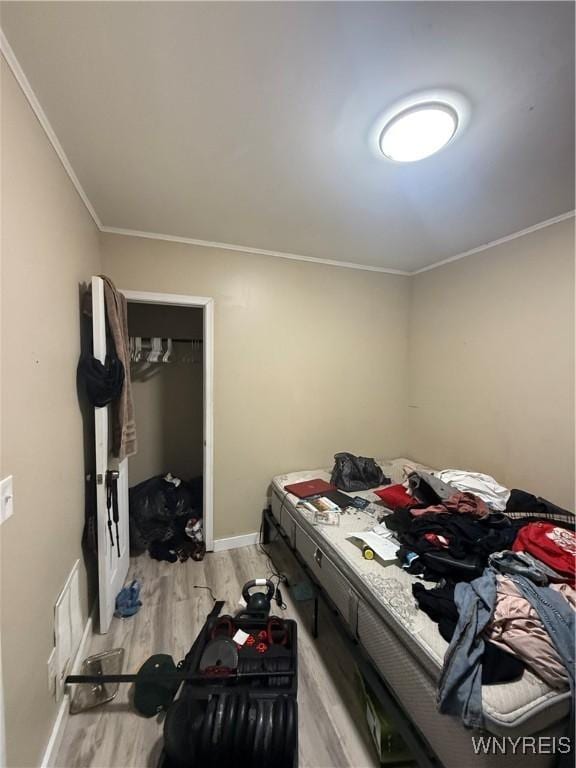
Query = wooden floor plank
x=332 y=728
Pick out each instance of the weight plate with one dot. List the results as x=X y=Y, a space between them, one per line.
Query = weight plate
x=279 y=724
x=153 y=695
x=289 y=743
x=240 y=728
x=247 y=753
x=258 y=747
x=181 y=725
x=176 y=732
x=221 y=652
x=228 y=728
x=268 y=732
x=216 y=739
x=203 y=752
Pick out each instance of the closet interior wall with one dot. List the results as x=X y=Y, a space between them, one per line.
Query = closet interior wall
x=168 y=397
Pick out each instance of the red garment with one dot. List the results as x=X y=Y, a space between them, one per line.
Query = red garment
x=395 y=496
x=554 y=546
x=463 y=503
x=438 y=541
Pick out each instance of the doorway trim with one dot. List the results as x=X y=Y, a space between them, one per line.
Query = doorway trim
x=207 y=305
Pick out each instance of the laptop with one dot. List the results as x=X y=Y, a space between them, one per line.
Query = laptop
x=307 y=488
x=342 y=499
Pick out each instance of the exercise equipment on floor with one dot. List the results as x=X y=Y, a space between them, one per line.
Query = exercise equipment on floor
x=232 y=700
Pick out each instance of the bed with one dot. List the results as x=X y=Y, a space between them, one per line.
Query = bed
x=376 y=607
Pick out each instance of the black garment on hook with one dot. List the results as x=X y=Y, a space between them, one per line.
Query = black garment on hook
x=103 y=383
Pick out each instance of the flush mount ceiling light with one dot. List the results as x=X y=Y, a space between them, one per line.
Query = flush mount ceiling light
x=420 y=126
x=418 y=132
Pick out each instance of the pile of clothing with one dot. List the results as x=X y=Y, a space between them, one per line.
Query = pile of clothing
x=505 y=563
x=166 y=518
x=448 y=527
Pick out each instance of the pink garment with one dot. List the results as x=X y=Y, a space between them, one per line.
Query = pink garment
x=463 y=502
x=516 y=628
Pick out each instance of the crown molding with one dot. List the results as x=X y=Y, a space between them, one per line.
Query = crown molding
x=493 y=243
x=18 y=72
x=23 y=82
x=249 y=249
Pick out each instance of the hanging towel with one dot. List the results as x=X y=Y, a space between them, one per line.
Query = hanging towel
x=123 y=425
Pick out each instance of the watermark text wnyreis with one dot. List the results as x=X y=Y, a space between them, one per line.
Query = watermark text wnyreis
x=521 y=745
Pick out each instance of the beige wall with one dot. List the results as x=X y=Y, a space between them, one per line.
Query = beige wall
x=491 y=375
x=309 y=360
x=168 y=410
x=49 y=246
x=168 y=400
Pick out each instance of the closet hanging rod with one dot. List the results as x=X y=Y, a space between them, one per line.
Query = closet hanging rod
x=178 y=341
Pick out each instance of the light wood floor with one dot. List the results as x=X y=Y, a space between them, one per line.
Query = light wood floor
x=332 y=729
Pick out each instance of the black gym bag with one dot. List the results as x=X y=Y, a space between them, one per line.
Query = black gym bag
x=356 y=473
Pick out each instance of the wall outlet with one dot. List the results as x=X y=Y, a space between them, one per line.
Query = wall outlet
x=6 y=499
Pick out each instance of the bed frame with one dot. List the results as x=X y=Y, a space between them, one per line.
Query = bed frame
x=414 y=740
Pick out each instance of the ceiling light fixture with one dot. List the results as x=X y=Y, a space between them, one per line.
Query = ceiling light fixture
x=420 y=126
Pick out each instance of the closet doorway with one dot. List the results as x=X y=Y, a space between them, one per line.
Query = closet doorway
x=173 y=394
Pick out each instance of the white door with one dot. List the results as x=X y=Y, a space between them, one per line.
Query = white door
x=113 y=537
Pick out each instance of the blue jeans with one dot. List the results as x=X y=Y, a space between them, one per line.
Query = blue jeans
x=460 y=686
x=523 y=564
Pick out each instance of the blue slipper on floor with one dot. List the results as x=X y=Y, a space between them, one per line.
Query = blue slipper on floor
x=127 y=601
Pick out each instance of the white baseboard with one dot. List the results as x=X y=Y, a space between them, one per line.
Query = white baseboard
x=55 y=739
x=234 y=542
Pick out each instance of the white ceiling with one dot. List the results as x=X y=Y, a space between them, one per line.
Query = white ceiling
x=248 y=123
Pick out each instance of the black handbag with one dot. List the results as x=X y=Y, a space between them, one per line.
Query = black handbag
x=356 y=473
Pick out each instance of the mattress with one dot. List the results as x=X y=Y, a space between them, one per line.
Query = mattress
x=376 y=602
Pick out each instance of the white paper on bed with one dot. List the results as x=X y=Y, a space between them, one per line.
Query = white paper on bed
x=384 y=546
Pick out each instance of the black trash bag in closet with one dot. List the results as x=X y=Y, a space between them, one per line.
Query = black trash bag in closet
x=159 y=511
x=356 y=473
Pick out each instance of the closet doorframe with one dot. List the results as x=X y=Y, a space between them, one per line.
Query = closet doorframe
x=207 y=305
